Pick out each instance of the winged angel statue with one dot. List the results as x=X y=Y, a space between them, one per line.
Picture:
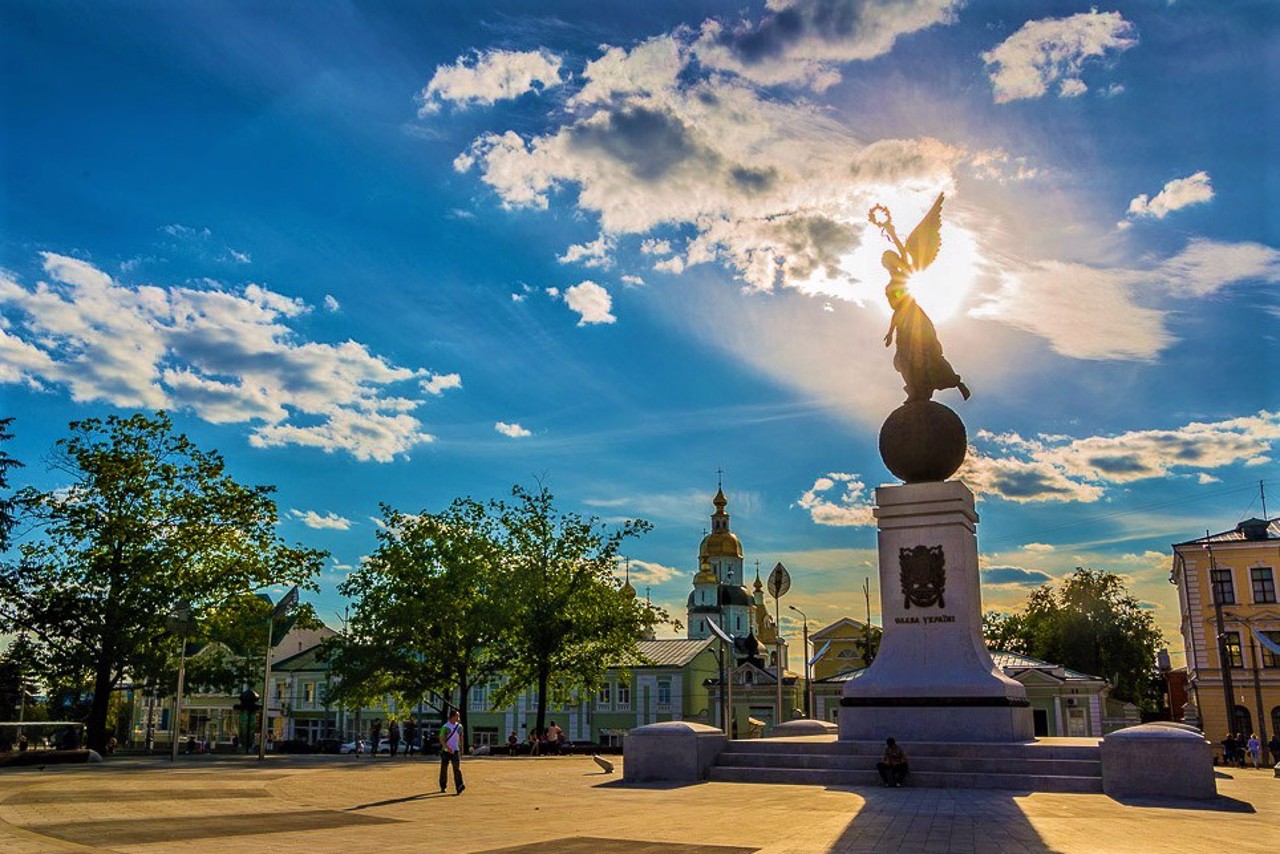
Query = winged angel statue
x=919 y=355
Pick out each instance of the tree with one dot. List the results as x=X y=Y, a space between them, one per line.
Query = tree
x=570 y=620
x=6 y=503
x=430 y=609
x=1089 y=623
x=146 y=521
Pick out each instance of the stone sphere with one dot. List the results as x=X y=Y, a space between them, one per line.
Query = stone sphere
x=923 y=442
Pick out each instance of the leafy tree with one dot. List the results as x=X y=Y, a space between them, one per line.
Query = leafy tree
x=18 y=665
x=430 y=609
x=570 y=620
x=147 y=520
x=6 y=503
x=1089 y=623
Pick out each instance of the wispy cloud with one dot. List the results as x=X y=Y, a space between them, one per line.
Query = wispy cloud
x=329 y=520
x=1055 y=50
x=228 y=356
x=489 y=76
x=513 y=431
x=850 y=505
x=1177 y=194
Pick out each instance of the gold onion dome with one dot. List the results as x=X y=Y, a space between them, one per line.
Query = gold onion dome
x=721 y=542
x=705 y=575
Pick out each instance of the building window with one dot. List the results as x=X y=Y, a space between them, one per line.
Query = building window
x=624 y=695
x=309 y=692
x=1223 y=591
x=1232 y=652
x=280 y=690
x=1269 y=658
x=1264 y=585
x=604 y=699
x=664 y=692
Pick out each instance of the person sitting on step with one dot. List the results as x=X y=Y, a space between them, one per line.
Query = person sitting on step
x=893 y=765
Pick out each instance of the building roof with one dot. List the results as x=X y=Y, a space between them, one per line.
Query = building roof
x=823 y=632
x=729 y=595
x=670 y=652
x=1250 y=530
x=1014 y=661
x=311 y=658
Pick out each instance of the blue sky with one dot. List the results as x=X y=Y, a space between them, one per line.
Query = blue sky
x=390 y=252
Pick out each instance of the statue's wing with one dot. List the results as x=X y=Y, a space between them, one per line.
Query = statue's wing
x=926 y=239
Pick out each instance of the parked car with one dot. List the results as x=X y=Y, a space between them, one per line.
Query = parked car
x=384 y=746
x=357 y=746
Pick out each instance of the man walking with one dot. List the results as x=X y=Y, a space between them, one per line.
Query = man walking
x=450 y=748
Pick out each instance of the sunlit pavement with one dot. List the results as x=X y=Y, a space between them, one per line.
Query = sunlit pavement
x=565 y=805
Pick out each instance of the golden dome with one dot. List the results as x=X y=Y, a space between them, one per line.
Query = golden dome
x=628 y=590
x=705 y=575
x=720 y=544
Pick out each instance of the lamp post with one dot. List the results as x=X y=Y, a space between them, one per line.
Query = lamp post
x=284 y=607
x=1257 y=683
x=808 y=683
x=179 y=624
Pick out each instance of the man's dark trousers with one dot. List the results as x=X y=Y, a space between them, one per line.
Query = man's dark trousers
x=447 y=758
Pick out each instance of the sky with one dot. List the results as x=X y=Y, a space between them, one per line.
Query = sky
x=388 y=252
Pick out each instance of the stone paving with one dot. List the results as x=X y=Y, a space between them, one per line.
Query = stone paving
x=553 y=805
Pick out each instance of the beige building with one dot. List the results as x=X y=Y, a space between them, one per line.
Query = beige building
x=1227 y=595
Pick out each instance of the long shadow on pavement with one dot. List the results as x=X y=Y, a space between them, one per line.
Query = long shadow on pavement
x=421 y=797
x=915 y=820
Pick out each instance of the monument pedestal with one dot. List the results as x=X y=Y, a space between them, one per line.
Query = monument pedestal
x=933 y=679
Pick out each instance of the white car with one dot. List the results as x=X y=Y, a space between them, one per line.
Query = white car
x=357 y=747
x=384 y=746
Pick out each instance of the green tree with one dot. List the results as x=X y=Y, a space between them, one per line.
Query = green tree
x=18 y=665
x=145 y=521
x=1090 y=623
x=429 y=609
x=570 y=620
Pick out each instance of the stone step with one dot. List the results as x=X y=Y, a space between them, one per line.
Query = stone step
x=986 y=750
x=921 y=779
x=921 y=763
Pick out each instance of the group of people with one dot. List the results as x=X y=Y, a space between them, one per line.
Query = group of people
x=1239 y=751
x=542 y=742
x=396 y=735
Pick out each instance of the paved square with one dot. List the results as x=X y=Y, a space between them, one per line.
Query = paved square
x=566 y=805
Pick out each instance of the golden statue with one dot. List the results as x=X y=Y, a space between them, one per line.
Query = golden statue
x=919 y=355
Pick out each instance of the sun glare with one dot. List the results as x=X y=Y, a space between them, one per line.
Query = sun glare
x=941 y=289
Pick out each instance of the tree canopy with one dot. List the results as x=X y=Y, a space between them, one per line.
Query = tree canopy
x=1090 y=623
x=144 y=522
x=509 y=594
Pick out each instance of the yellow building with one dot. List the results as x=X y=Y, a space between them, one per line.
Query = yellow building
x=1227 y=595
x=840 y=647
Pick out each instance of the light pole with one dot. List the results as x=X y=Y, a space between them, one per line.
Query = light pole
x=180 y=624
x=1257 y=684
x=808 y=683
x=282 y=609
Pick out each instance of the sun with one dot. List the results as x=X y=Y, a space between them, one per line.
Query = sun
x=940 y=290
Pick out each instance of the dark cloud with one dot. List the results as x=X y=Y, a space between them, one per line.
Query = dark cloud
x=650 y=143
x=1027 y=484
x=1119 y=464
x=1015 y=575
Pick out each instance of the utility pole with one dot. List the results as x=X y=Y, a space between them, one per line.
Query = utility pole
x=808 y=681
x=1224 y=660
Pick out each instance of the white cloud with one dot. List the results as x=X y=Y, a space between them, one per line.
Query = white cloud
x=230 y=357
x=239 y=257
x=331 y=303
x=1097 y=313
x=312 y=519
x=490 y=76
x=438 y=384
x=850 y=505
x=1064 y=469
x=592 y=303
x=648 y=572
x=514 y=431
x=1177 y=194
x=1054 y=50
x=597 y=253
x=632 y=281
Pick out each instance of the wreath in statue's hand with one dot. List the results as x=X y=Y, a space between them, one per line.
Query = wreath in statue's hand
x=879 y=216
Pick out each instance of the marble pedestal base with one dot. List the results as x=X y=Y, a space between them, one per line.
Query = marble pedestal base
x=933 y=679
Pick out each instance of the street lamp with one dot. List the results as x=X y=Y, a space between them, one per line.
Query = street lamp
x=808 y=683
x=179 y=624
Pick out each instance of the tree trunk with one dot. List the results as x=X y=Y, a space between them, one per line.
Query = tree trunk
x=96 y=724
x=544 y=677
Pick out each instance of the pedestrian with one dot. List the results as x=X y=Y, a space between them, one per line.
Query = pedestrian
x=513 y=743
x=555 y=737
x=1240 y=749
x=535 y=742
x=1228 y=749
x=1274 y=747
x=1255 y=748
x=410 y=735
x=893 y=764
x=393 y=736
x=375 y=730
x=450 y=748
